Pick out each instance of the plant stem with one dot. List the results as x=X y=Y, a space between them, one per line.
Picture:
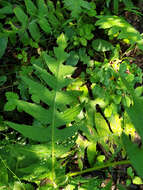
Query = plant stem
x=111 y=164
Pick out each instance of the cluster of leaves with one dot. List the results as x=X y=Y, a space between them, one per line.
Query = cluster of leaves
x=73 y=99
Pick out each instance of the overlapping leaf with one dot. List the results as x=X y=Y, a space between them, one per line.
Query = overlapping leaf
x=135 y=113
x=36 y=17
x=56 y=99
x=119 y=27
x=49 y=122
x=76 y=6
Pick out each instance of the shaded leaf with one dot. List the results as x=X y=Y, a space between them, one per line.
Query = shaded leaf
x=76 y=6
x=34 y=31
x=44 y=24
x=21 y=16
x=102 y=45
x=31 y=8
x=135 y=154
x=3 y=45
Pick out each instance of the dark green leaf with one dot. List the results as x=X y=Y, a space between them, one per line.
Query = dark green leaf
x=44 y=24
x=102 y=45
x=135 y=154
x=31 y=8
x=3 y=45
x=34 y=31
x=21 y=16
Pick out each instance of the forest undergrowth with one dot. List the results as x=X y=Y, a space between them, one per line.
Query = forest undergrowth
x=71 y=94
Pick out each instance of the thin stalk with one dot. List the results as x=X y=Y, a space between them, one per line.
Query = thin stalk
x=6 y=166
x=5 y=87
x=111 y=164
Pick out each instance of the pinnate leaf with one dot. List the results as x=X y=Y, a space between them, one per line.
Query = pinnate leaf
x=31 y=8
x=21 y=16
x=34 y=31
x=119 y=27
x=76 y=6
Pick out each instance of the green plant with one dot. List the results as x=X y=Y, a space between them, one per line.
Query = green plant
x=84 y=33
x=3 y=42
x=133 y=151
x=81 y=6
x=71 y=107
x=132 y=178
x=120 y=28
x=22 y=56
x=58 y=114
x=129 y=6
x=38 y=20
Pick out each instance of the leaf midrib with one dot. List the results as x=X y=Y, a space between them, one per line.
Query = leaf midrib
x=53 y=123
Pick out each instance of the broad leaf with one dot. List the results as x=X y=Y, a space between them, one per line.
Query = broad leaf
x=135 y=154
x=135 y=113
x=102 y=45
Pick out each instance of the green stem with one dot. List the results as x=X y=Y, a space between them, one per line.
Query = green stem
x=6 y=166
x=111 y=164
